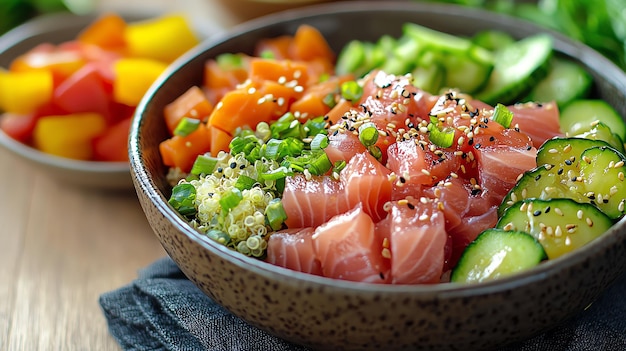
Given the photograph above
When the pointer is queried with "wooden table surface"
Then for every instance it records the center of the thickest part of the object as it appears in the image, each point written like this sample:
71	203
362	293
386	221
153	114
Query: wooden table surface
62	246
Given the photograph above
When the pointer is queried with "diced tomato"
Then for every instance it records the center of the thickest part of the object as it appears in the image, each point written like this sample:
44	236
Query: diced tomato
84	91
112	144
18	127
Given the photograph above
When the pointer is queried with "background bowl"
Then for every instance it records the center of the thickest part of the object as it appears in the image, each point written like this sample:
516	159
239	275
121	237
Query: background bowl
57	28
331	314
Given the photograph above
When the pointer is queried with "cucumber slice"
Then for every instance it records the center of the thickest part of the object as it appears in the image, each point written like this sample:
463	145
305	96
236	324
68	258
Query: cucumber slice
497	253
602	172
564	153
467	65
579	114
560	225
430	78
492	39
518	68
566	81
351	58
544	182
600	131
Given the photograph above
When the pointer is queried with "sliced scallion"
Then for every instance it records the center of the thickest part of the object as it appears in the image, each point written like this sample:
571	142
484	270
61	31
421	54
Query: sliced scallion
368	134
204	164
228	61
219	236
186	126
329	100
319	142
376	152
320	164
267	54
244	182
275	214
441	137
351	91
502	115
278	173
230	199
183	198
315	126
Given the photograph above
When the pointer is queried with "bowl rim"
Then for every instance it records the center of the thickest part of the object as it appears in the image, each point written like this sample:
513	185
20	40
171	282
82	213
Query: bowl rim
38	25
145	184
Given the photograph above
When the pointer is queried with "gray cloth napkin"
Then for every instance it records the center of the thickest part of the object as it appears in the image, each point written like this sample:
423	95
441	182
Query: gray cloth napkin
163	310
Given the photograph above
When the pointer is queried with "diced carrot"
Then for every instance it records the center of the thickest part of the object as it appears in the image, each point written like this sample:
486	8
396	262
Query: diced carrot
278	47
220	140
243	107
106	32
181	151
279	70
309	106
309	44
193	104
335	114
312	102
317	68
218	81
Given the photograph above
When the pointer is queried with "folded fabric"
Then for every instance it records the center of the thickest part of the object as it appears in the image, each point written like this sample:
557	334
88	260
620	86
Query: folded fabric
163	310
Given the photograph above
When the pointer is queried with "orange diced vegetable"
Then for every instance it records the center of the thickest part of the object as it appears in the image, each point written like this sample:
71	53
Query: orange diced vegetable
279	71
164	38
278	47
133	77
47	57
68	136
220	140
181	152
23	92
216	77
193	104
312	102
242	107
309	44
106	32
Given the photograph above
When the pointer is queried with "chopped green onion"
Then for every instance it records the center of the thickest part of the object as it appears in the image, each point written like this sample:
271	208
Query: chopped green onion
186	126
315	126
275	214
351	90
441	138
204	164
243	145
368	134
244	182
263	131
329	100
319	142
183	199
502	115
267	54
229	61
219	236
324	77
230	199
278	173
286	126
339	166
320	164
376	152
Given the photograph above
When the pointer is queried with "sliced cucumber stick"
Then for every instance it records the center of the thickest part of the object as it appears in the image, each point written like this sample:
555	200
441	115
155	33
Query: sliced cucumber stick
518	68
566	81
580	114
497	253
560	225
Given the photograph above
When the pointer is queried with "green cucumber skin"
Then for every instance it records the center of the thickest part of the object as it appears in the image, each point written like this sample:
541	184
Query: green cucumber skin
578	115
561	225
495	254
518	68
565	82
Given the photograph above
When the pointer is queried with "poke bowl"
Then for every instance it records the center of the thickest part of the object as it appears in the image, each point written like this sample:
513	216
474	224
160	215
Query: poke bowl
79	88
326	311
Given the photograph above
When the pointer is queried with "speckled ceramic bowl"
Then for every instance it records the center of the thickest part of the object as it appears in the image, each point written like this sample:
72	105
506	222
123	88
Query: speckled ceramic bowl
328	314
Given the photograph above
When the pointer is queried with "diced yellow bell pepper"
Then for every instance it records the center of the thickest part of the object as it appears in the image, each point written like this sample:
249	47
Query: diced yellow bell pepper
164	38
133	77
23	92
68	136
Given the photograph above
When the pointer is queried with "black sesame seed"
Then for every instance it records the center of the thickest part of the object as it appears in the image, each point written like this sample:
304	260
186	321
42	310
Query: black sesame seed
537	213
492	138
410	206
402	180
477	146
475	191
560	171
233	165
568	162
538	177
546	210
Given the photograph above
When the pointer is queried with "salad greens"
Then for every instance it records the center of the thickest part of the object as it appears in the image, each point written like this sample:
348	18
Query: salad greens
601	24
